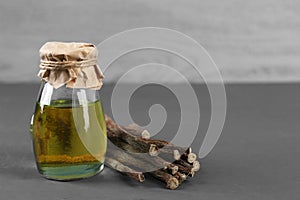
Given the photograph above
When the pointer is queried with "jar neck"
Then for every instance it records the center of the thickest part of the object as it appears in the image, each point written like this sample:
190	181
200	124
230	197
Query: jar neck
48	95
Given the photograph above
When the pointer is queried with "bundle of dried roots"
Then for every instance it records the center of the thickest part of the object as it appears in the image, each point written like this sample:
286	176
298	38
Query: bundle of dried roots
132	152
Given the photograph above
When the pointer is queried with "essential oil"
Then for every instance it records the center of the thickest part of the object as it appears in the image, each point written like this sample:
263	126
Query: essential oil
69	141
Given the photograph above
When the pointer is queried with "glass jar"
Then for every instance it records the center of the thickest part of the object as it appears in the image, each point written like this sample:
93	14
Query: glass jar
68	131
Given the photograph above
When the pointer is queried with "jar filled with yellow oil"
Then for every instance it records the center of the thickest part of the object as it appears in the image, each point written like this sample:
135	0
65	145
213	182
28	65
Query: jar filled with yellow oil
68	126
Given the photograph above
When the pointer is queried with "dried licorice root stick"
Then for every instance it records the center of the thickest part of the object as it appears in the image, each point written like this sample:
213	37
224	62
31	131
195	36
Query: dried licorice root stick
188	156
180	177
187	168
158	146
142	161
138	160
116	134
171	181
120	167
136	130
127	159
196	166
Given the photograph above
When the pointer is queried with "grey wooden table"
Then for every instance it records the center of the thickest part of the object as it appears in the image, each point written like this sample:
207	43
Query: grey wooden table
257	156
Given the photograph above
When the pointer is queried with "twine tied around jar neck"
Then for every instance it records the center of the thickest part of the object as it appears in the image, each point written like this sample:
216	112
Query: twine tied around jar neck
73	64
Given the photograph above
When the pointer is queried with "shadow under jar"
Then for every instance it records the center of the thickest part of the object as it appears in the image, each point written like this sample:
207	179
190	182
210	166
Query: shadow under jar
68	126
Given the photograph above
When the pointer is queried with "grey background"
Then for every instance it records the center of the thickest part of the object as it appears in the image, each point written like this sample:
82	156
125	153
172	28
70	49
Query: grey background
251	41
257	156
256	40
